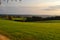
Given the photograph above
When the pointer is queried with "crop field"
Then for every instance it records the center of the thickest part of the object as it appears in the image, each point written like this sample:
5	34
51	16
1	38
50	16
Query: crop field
30	30
50	21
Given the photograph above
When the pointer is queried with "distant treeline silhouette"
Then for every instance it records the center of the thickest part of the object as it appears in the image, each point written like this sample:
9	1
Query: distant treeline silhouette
30	19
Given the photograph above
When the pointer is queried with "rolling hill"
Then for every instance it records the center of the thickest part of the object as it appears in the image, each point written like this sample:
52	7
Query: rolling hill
30	30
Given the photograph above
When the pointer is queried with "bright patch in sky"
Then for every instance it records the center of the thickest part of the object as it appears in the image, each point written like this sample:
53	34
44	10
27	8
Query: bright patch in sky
42	7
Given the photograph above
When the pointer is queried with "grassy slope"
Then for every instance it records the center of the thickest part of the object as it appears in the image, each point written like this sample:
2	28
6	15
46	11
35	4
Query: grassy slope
30	31
50	21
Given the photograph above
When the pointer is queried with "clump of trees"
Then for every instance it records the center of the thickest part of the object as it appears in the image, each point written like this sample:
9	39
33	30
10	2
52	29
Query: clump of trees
33	18
52	18
30	19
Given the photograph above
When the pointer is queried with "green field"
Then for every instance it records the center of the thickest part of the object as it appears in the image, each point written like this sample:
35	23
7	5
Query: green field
30	30
50	21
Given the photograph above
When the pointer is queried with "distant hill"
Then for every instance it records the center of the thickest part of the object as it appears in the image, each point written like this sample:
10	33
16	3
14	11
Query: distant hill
28	15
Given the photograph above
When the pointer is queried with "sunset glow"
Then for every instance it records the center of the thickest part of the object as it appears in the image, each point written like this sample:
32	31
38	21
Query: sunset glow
39	7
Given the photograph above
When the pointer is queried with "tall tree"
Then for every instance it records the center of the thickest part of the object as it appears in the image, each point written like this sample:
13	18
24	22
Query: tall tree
7	1
16	0
11	0
20	0
0	2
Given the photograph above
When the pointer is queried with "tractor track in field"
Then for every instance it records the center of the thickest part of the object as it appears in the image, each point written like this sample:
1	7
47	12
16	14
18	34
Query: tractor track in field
2	37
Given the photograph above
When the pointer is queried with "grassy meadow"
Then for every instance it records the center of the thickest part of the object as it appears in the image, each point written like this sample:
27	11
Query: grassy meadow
30	30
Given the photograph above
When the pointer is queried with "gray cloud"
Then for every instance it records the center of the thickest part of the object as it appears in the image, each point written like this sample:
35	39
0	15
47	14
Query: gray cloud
55	7
52	8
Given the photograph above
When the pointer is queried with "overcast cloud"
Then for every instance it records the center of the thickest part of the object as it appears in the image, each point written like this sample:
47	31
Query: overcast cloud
42	7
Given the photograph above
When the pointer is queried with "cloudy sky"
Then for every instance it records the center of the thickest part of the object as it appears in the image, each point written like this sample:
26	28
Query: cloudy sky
42	7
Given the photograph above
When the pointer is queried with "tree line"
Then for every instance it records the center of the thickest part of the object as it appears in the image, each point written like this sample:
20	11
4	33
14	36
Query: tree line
31	19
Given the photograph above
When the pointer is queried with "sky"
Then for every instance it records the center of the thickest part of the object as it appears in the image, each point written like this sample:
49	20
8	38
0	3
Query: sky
40	7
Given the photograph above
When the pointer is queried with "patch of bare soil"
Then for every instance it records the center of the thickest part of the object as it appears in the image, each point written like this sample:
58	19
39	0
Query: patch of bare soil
2	37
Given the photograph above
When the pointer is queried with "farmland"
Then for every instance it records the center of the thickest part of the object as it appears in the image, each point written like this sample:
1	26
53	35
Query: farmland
30	30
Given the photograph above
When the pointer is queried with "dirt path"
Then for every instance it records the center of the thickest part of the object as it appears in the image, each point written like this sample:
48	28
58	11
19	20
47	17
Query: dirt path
2	37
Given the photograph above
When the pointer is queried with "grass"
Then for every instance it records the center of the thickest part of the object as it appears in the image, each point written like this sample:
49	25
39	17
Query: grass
19	18
50	21
30	30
